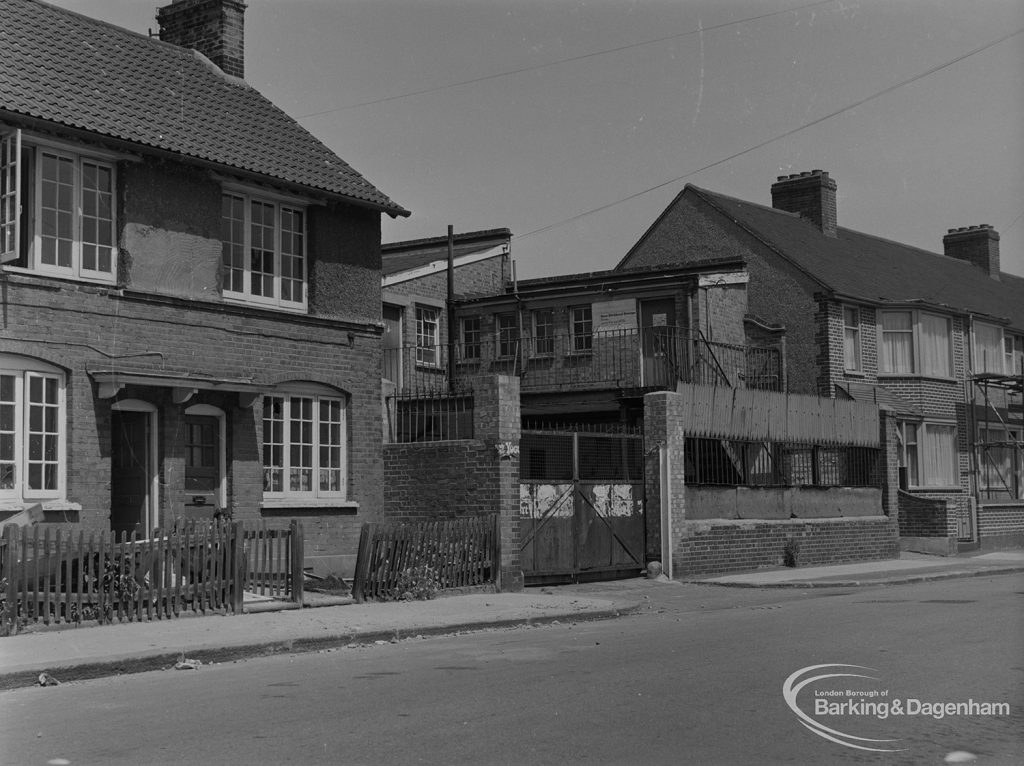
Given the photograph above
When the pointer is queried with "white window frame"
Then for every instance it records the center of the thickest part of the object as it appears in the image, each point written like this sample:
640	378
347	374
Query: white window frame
581	341
916	344
16	240
920	475
984	362
851	335
289	396
1014	353
428	336
24	370
280	207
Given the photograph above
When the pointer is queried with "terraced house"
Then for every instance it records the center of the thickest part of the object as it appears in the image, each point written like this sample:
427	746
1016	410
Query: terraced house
190	297
935	339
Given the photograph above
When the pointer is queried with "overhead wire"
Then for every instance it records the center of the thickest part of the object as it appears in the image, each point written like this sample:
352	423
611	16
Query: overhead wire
780	136
567	60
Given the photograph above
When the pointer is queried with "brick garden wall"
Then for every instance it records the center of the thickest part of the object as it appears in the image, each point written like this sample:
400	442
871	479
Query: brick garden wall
717	547
1000	526
467	477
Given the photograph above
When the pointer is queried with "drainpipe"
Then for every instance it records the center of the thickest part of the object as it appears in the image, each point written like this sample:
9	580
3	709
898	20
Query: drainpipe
451	308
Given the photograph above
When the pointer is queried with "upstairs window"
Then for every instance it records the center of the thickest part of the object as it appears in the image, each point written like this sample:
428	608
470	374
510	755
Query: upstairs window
1014	354
851	338
263	246
428	333
508	335
989	349
581	328
56	211
32	430
543	332
304	446
915	343
470	338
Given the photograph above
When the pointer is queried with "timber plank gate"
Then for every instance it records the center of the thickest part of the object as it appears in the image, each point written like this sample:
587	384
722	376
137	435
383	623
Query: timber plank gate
581	505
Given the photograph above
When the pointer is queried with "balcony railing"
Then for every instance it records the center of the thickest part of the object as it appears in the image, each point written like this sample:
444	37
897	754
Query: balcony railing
650	357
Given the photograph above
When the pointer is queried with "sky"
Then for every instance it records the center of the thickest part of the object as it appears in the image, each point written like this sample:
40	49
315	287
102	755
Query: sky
574	123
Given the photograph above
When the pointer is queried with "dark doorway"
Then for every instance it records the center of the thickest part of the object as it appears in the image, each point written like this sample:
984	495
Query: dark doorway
661	343
129	472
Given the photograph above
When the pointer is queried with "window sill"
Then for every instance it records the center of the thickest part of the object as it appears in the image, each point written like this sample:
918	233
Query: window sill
16	506
241	300
915	376
319	503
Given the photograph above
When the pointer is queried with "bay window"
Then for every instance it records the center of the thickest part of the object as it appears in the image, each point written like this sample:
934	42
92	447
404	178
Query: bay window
305	445
32	430
928	451
263	250
56	211
851	338
915	343
989	349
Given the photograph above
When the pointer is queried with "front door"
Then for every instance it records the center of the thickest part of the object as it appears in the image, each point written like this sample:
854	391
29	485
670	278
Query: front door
129	472
202	461
660	343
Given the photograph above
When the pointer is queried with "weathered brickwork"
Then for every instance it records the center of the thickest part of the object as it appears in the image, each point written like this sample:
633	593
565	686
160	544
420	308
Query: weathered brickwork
467	477
166	316
922	516
777	291
718	547
1001	526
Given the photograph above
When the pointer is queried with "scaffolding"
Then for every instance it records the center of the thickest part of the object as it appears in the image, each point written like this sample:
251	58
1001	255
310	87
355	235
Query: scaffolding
996	421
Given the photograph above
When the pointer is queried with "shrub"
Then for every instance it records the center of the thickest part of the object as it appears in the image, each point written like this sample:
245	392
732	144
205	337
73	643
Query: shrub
791	552
416	584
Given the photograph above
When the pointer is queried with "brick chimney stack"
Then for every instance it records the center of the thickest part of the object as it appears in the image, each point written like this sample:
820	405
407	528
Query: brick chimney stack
215	28
976	244
812	195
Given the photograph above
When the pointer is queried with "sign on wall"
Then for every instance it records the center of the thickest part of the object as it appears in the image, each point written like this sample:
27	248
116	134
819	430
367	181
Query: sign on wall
615	315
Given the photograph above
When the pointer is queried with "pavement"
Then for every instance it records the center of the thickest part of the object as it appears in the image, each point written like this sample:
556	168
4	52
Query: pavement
70	653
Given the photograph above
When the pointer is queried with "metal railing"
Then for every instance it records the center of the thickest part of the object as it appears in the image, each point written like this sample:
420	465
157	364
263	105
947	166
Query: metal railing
650	357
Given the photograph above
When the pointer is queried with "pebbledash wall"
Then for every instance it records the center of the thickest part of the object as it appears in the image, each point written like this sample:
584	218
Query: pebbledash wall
465	477
702	546
166	317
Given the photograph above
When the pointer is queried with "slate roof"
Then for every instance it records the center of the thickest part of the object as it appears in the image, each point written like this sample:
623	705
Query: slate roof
407	255
859	265
68	69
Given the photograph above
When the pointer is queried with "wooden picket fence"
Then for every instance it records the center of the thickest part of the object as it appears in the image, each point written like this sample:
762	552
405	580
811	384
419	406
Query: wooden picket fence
273	561
453	553
53	576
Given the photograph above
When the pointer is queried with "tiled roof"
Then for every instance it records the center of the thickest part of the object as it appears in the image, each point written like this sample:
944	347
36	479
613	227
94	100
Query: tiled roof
397	257
68	69
860	265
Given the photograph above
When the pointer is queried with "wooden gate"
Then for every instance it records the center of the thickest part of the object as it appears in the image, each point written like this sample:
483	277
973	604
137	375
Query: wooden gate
581	505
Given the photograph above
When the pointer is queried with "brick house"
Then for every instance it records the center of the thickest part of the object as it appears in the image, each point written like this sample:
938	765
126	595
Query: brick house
190	289
935	339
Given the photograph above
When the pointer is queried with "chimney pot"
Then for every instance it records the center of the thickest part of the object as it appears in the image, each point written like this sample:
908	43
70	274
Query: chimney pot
978	245
810	194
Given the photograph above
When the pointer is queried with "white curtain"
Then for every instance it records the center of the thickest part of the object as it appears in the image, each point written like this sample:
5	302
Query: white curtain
988	348
939	448
935	359
897	341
